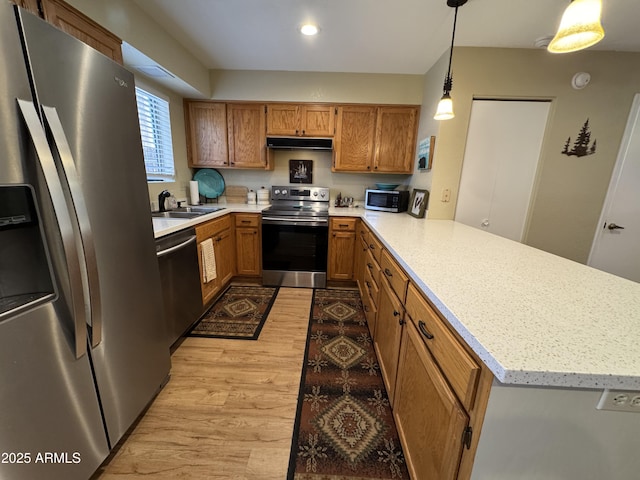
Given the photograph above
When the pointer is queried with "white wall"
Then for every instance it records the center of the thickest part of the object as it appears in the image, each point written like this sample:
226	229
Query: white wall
348	184
555	434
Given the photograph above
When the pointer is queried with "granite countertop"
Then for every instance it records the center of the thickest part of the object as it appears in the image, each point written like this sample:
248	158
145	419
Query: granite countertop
532	317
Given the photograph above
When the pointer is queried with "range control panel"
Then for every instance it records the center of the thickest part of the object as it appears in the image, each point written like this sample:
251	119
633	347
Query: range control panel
296	192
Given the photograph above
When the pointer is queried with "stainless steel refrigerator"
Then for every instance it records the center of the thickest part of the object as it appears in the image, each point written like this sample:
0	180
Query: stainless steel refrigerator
82	342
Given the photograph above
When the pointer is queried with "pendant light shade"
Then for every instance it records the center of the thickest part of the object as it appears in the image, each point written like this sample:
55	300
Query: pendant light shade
445	106
579	28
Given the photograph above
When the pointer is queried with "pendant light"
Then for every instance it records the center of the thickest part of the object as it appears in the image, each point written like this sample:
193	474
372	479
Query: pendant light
445	106
579	28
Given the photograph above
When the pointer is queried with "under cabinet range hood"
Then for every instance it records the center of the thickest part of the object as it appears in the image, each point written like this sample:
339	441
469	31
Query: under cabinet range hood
300	143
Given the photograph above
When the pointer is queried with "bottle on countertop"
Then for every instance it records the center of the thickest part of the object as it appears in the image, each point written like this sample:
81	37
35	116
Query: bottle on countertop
251	197
339	200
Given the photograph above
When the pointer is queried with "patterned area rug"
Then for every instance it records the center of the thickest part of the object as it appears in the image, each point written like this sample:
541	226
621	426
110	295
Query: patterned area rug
240	313
344	426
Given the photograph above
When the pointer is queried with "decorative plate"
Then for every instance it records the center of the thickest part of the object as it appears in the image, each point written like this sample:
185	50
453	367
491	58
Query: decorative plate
386	186
210	182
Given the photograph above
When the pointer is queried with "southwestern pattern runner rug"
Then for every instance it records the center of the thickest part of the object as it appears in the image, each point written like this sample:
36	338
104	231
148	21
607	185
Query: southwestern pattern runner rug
344	427
240	313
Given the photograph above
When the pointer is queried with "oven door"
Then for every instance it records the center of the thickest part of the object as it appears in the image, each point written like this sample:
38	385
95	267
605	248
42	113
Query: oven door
294	252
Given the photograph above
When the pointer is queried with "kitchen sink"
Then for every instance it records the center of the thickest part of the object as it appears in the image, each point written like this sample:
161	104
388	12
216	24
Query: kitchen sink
186	212
202	209
174	214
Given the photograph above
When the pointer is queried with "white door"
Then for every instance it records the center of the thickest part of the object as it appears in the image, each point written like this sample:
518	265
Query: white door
616	246
500	162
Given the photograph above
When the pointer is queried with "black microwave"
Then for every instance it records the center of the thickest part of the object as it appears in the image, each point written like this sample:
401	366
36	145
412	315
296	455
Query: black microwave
386	200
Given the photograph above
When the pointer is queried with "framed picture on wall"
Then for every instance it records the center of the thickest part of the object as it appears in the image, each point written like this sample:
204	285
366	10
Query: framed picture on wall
425	153
418	203
300	171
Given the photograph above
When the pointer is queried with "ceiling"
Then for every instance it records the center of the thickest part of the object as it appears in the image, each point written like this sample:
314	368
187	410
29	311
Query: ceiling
367	36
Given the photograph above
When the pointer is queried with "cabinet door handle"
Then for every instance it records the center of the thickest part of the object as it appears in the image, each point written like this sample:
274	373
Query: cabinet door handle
423	329
401	322
345	225
396	313
372	246
367	284
369	266
245	221
388	273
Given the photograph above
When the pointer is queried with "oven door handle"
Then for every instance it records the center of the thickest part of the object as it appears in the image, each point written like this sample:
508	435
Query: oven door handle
294	221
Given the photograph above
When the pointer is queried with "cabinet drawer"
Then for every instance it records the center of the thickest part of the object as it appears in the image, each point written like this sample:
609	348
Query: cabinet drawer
363	232
375	246
457	365
372	266
213	227
247	220
370	313
397	278
343	223
373	287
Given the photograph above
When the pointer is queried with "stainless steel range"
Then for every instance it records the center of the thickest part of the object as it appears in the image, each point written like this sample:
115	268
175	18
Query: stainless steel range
295	234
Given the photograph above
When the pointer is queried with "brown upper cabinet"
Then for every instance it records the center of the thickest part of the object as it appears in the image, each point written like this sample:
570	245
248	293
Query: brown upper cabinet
355	137
396	135
304	120
246	127
31	5
207	144
226	135
76	24
375	138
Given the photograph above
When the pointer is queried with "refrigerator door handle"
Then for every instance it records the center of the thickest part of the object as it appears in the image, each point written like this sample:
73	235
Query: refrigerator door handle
73	180
69	241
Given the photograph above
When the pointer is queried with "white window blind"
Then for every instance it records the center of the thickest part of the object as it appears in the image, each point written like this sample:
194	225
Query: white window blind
155	130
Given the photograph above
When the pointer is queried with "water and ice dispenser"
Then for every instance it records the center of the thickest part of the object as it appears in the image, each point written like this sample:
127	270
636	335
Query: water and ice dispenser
25	276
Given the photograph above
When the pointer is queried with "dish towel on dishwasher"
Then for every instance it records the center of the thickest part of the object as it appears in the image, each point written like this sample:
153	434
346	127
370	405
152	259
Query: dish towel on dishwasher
208	261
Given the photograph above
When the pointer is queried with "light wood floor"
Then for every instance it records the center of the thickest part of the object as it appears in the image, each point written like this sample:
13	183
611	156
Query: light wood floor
229	408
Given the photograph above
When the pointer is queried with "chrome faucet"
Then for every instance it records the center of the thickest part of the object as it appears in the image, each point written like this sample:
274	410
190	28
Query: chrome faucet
163	194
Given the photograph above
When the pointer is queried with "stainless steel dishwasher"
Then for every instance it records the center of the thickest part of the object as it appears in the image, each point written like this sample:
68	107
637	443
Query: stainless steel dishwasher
180	275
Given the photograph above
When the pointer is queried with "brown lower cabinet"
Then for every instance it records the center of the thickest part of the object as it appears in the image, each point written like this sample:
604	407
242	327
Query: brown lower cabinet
248	244
342	243
437	386
221	233
237	250
387	335
430	419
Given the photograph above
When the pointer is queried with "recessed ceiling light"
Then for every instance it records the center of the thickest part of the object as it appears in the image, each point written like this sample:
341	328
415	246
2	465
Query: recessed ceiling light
309	29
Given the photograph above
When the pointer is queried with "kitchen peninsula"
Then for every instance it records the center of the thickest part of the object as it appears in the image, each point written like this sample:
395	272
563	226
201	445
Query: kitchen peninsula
554	334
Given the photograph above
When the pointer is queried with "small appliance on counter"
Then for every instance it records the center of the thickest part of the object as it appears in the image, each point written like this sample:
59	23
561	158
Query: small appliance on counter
263	196
395	201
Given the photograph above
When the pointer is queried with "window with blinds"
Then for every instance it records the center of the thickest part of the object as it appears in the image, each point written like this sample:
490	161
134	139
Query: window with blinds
155	130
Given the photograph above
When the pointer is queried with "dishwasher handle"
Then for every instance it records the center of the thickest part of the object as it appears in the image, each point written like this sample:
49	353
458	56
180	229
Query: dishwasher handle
169	250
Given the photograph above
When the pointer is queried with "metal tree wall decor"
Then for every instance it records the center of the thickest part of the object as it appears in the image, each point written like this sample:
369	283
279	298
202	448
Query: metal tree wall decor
581	146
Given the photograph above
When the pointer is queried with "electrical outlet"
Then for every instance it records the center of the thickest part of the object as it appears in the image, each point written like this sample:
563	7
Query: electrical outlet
620	401
446	195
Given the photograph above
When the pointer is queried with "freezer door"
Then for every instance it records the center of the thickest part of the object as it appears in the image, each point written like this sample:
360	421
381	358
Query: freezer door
89	109
50	421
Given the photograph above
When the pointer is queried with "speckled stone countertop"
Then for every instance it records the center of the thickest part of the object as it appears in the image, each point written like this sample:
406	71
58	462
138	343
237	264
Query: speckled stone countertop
532	317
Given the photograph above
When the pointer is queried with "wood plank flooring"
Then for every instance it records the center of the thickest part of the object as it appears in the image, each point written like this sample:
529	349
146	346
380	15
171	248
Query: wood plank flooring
229	408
